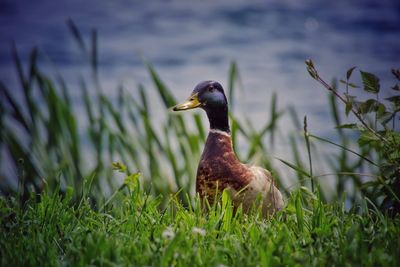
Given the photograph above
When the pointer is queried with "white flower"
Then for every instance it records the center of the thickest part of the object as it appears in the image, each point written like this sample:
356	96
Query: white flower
168	233
199	231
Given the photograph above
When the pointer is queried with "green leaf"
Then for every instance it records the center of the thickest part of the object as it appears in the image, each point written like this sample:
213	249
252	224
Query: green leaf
357	105
368	138
349	106
371	105
294	167
132	181
347	126
199	125
16	110
349	72
394	99
166	96
371	82
76	34
350	97
228	211
233	78
385	117
343	147
352	85
299	212
118	166
349	103
381	108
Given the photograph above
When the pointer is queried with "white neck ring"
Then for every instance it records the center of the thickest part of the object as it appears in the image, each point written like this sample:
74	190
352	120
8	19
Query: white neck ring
216	131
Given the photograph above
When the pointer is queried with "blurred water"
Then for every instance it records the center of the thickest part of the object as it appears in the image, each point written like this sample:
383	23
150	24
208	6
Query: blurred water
191	41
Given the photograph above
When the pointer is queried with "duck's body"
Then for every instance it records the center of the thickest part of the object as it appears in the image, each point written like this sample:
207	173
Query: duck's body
219	167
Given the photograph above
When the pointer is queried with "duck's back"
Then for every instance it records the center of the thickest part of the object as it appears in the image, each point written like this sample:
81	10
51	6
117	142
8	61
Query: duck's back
262	186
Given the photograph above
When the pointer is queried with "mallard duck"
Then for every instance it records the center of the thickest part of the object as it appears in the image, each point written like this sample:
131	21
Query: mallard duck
219	168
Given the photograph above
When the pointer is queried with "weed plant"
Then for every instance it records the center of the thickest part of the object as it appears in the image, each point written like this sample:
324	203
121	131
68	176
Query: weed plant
377	132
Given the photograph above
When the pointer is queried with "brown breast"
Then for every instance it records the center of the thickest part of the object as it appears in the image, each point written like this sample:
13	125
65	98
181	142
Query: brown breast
219	167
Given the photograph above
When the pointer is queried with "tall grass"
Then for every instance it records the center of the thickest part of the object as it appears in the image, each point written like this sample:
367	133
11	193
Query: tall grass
45	146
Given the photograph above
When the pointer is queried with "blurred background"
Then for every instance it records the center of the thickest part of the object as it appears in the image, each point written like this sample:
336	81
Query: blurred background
190	41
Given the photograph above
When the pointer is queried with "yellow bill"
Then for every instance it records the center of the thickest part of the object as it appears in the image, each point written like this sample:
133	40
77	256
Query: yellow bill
191	102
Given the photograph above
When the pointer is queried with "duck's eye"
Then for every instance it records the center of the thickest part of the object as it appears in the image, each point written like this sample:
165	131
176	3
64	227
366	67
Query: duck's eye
211	89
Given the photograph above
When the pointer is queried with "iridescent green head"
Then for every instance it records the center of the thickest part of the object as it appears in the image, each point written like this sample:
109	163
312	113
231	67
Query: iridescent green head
210	96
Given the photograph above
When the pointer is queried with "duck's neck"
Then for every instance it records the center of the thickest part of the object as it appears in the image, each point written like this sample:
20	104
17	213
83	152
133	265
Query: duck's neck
218	148
218	118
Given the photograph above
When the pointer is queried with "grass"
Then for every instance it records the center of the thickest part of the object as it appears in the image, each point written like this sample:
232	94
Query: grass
45	143
70	211
134	230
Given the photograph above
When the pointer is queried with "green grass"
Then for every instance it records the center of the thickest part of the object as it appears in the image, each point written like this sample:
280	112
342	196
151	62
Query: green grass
133	230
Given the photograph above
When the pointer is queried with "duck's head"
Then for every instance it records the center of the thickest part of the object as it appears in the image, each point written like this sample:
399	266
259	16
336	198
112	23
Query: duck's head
210	96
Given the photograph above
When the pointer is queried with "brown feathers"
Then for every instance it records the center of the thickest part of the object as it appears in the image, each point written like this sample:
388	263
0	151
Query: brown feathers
220	169
219	164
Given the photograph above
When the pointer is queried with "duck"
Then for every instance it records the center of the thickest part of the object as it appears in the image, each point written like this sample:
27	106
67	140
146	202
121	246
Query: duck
219	168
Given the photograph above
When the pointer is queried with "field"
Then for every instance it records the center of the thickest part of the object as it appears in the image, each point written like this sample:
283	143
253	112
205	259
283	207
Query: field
119	191
134	230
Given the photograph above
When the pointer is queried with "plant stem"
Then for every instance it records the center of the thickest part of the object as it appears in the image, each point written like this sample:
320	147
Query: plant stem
306	136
